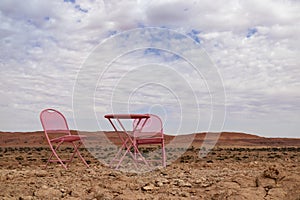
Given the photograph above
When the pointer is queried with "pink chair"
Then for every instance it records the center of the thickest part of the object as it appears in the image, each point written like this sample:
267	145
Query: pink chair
150	131
54	123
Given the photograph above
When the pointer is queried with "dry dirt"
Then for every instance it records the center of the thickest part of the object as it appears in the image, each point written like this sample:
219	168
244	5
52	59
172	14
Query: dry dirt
265	171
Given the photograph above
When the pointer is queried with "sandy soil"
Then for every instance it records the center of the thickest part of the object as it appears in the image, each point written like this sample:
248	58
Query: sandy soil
227	172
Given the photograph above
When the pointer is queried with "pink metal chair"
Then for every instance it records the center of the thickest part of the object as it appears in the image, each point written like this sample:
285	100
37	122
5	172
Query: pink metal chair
54	123
150	131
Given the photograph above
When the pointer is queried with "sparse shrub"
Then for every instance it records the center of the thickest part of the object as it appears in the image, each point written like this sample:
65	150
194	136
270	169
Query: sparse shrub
275	149
192	148
111	148
69	148
186	158
98	149
237	158
19	158
92	149
145	150
32	159
277	156
292	149
39	149
10	149
181	149
220	158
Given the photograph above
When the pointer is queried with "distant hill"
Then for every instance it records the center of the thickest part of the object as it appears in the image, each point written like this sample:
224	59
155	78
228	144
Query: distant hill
19	139
244	139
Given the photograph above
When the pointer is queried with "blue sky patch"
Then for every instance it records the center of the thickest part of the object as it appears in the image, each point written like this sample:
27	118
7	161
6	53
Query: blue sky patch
251	31
141	25
152	51
71	1
81	9
111	33
194	35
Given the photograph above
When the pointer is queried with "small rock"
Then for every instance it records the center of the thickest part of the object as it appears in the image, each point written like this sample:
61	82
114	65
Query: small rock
181	183
47	193
113	174
205	184
186	184
26	198
173	192
250	193
45	187
164	173
276	193
261	181
201	180
41	173
159	184
177	182
148	187
184	194
253	163
244	181
273	173
161	181
85	178
229	185
164	180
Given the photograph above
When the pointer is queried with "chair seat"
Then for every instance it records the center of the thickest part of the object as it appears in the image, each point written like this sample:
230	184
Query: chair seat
68	138
149	140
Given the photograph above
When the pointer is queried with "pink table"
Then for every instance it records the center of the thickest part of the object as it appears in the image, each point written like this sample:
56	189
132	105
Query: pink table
128	140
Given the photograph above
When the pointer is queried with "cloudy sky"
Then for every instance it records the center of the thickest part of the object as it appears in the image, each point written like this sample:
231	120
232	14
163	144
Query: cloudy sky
50	50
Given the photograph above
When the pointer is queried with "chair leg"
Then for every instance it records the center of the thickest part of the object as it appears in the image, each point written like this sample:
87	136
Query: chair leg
118	153
48	161
78	153
73	155
55	154
128	148
163	155
83	160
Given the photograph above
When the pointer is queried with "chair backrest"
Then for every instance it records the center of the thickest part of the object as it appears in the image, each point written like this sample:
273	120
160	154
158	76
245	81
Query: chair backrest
54	121
149	128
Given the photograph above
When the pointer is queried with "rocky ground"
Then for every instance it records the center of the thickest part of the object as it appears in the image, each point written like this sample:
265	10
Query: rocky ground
225	173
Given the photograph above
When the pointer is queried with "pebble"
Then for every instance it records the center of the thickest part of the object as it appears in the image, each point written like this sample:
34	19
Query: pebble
148	187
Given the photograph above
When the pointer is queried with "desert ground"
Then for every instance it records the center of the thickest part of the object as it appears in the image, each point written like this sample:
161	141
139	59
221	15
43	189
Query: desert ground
240	166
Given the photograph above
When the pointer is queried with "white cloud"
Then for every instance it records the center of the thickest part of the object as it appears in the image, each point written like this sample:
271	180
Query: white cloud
44	43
